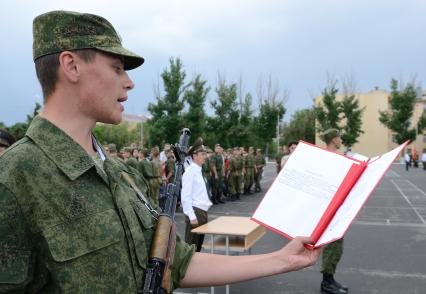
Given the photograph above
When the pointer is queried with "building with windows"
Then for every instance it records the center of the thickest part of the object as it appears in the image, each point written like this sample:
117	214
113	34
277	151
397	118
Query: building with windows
378	139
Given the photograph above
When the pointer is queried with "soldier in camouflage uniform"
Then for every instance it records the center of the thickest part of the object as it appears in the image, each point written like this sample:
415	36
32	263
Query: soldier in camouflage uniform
235	178
207	173
170	166
70	222
332	252
218	173
243	155
131	161
260	164
250	169
157	179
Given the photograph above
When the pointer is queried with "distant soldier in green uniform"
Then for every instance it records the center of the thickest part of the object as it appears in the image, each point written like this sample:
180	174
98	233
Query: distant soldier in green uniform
235	178
157	179
70	222
218	173
130	160
250	170
207	174
333	251
260	164
144	165
170	166
243	155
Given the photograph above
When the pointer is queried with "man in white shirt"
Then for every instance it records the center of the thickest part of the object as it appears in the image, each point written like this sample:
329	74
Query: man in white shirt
194	195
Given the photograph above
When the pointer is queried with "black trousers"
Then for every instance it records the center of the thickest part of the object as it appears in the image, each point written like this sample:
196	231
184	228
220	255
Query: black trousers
192	238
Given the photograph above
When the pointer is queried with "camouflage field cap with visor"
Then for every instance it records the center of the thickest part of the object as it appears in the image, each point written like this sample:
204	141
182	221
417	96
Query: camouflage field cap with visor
58	31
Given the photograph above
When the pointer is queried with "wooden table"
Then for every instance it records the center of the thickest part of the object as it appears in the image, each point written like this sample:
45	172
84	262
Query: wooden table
234	233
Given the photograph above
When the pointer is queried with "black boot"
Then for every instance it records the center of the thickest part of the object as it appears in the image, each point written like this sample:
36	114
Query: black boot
330	286
238	196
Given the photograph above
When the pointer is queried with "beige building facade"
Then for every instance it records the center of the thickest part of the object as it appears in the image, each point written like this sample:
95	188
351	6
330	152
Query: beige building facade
377	139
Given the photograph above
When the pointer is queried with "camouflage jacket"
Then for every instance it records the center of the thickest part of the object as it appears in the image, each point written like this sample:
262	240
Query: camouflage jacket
145	168
260	160
217	161
249	161
68	226
170	168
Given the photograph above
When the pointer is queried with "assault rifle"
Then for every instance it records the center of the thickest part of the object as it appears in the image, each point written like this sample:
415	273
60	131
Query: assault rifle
158	271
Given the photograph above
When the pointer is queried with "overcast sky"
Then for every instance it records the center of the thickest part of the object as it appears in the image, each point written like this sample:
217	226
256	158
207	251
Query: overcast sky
296	42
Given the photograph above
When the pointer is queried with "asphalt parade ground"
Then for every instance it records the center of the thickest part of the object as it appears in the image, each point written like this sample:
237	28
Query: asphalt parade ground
384	249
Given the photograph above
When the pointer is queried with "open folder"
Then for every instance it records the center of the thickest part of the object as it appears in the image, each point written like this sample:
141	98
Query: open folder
319	193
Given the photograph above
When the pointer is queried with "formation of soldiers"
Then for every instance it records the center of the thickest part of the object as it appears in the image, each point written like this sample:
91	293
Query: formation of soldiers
233	172
228	173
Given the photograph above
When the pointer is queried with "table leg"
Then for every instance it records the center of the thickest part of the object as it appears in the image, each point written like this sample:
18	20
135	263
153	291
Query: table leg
227	253
212	252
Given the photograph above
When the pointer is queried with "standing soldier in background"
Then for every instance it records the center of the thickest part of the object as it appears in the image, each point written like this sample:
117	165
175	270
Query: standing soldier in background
235	176
170	166
250	170
144	165
260	164
207	174
243	155
131	160
157	179
218	172
6	140
332	252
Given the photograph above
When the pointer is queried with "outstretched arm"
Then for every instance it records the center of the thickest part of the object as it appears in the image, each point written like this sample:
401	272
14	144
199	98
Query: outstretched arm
211	269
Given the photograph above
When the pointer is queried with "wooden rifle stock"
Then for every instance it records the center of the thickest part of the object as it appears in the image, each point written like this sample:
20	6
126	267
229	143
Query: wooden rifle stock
158	272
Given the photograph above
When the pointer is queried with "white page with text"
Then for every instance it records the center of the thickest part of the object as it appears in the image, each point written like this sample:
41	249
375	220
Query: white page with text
302	191
365	185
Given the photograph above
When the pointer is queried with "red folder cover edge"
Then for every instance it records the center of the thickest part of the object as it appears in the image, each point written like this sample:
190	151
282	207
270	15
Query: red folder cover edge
345	187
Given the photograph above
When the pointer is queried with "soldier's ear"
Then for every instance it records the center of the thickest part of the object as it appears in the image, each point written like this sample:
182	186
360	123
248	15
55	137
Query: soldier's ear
69	66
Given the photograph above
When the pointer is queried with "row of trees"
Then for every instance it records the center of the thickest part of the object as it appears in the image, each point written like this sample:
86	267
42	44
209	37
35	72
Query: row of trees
234	121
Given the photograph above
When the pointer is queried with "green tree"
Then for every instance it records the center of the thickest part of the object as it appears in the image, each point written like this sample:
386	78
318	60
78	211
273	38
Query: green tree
167	120
265	123
223	127
399	117
327	113
344	115
195	118
300	127
352	115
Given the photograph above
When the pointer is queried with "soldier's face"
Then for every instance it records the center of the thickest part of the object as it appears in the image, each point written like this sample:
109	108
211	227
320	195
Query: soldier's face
104	86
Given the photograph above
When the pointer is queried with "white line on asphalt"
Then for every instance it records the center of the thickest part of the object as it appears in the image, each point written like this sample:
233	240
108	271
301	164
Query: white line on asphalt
408	201
417	188
390	224
384	274
392	173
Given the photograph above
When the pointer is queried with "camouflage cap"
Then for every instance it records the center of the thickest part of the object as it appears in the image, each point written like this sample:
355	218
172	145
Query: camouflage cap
112	148
58	31
329	135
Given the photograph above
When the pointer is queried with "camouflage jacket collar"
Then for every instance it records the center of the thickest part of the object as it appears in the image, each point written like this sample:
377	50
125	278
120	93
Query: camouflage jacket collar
67	154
